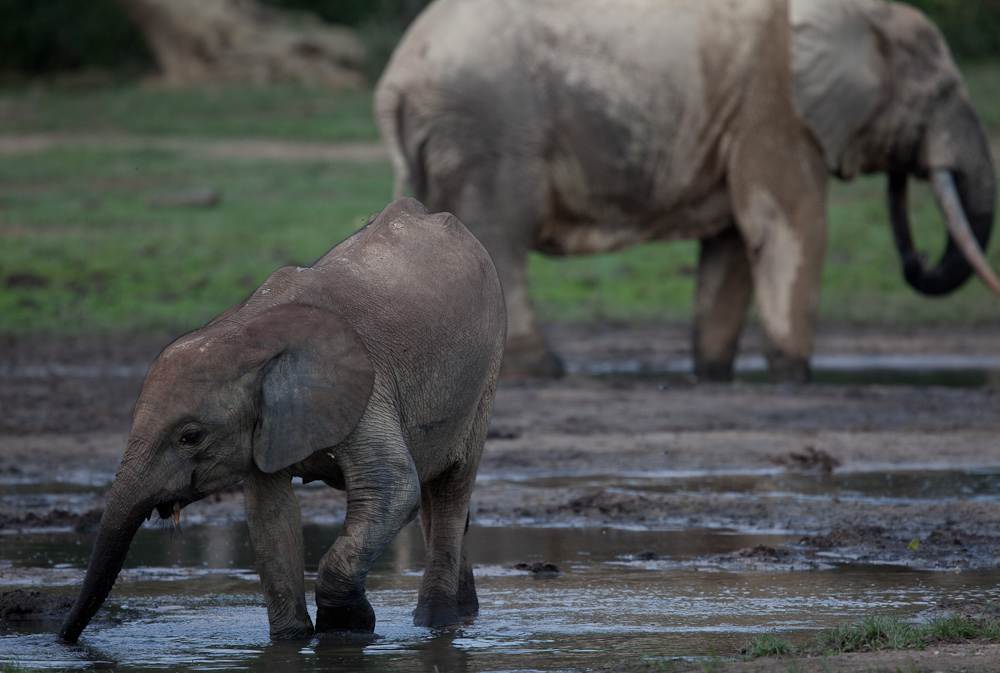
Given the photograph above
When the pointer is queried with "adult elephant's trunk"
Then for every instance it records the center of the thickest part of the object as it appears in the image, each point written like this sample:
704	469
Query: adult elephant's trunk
122	518
964	184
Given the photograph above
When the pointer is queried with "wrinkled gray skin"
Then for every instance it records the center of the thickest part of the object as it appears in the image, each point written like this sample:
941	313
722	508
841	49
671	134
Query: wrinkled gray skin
577	126
373	370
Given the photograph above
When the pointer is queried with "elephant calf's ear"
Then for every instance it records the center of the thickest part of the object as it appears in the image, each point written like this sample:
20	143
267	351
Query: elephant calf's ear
315	386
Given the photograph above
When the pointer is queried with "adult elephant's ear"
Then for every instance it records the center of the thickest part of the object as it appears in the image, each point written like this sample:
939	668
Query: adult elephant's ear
840	74
316	380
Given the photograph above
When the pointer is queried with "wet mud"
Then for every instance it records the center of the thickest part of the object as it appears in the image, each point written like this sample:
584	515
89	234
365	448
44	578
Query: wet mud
805	483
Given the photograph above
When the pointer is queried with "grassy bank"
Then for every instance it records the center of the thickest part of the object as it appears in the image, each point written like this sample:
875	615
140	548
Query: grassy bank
883	643
88	247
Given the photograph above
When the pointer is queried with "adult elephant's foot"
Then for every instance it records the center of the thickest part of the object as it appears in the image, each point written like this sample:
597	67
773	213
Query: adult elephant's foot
355	616
784	368
528	357
436	612
717	370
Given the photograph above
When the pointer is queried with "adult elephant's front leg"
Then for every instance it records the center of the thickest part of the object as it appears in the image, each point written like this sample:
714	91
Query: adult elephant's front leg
383	495
721	300
276	533
779	197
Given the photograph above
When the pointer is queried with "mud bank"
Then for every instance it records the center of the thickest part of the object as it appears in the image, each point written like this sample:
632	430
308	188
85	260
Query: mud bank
870	475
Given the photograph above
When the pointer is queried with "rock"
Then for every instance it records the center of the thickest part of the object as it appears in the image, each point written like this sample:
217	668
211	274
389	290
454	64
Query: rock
244	42
539	567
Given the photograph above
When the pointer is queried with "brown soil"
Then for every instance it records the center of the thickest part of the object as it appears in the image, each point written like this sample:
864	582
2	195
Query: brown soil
67	406
970	657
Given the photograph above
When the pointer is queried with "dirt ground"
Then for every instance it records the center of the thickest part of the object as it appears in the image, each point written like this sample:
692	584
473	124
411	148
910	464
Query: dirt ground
66	407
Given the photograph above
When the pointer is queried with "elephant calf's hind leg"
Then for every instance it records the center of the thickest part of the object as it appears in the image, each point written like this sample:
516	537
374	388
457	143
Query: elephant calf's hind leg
448	590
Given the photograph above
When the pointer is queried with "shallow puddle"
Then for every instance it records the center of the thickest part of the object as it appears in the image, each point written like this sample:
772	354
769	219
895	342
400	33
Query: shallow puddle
191	599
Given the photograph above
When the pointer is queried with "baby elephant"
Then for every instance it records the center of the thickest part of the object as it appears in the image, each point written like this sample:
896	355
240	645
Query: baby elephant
373	370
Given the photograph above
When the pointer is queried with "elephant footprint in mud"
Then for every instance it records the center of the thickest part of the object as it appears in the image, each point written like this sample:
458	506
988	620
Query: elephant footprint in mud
373	370
584	126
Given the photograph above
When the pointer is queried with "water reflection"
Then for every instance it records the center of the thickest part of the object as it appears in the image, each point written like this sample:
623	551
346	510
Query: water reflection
193	601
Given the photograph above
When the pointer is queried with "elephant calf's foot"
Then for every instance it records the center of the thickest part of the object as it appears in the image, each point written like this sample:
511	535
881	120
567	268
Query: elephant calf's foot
357	616
292	632
436	612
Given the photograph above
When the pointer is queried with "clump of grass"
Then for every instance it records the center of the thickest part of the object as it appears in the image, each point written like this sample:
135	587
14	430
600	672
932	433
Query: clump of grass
766	645
874	632
878	632
15	667
957	628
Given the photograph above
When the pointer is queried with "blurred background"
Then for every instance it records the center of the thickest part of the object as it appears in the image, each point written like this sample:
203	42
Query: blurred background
159	159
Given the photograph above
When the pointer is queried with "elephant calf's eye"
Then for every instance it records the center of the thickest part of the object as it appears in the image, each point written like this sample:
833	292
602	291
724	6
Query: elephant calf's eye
191	437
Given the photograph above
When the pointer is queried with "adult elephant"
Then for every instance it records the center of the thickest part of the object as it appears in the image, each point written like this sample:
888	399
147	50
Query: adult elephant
373	370
590	125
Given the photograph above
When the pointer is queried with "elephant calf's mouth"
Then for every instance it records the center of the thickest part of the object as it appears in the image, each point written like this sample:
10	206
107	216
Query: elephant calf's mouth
167	511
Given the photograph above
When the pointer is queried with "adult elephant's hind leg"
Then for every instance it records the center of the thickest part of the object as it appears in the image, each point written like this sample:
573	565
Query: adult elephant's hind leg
383	495
722	298
503	203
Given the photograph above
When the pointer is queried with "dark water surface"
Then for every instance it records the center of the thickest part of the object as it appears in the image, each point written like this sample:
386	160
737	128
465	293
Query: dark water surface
191	600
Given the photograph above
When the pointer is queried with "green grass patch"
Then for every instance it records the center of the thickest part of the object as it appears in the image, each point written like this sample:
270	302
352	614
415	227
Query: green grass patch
878	632
862	277
649	282
84	253
283	111
875	632
766	645
983	80
16	667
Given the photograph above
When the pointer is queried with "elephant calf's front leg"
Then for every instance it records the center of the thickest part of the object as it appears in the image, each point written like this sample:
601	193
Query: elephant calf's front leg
276	532
383	495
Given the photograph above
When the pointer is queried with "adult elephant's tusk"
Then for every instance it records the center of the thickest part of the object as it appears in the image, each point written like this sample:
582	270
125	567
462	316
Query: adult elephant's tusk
177	513
943	183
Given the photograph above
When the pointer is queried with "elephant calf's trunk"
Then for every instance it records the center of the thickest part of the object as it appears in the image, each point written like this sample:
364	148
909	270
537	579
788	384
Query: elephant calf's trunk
119	525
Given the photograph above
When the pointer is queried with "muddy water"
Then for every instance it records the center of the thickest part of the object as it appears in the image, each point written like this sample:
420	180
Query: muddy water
190	598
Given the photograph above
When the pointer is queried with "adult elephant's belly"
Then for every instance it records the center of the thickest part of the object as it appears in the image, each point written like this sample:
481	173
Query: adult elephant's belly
608	226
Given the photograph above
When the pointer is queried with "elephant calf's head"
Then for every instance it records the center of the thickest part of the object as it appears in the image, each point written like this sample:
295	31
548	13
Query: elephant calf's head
262	389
